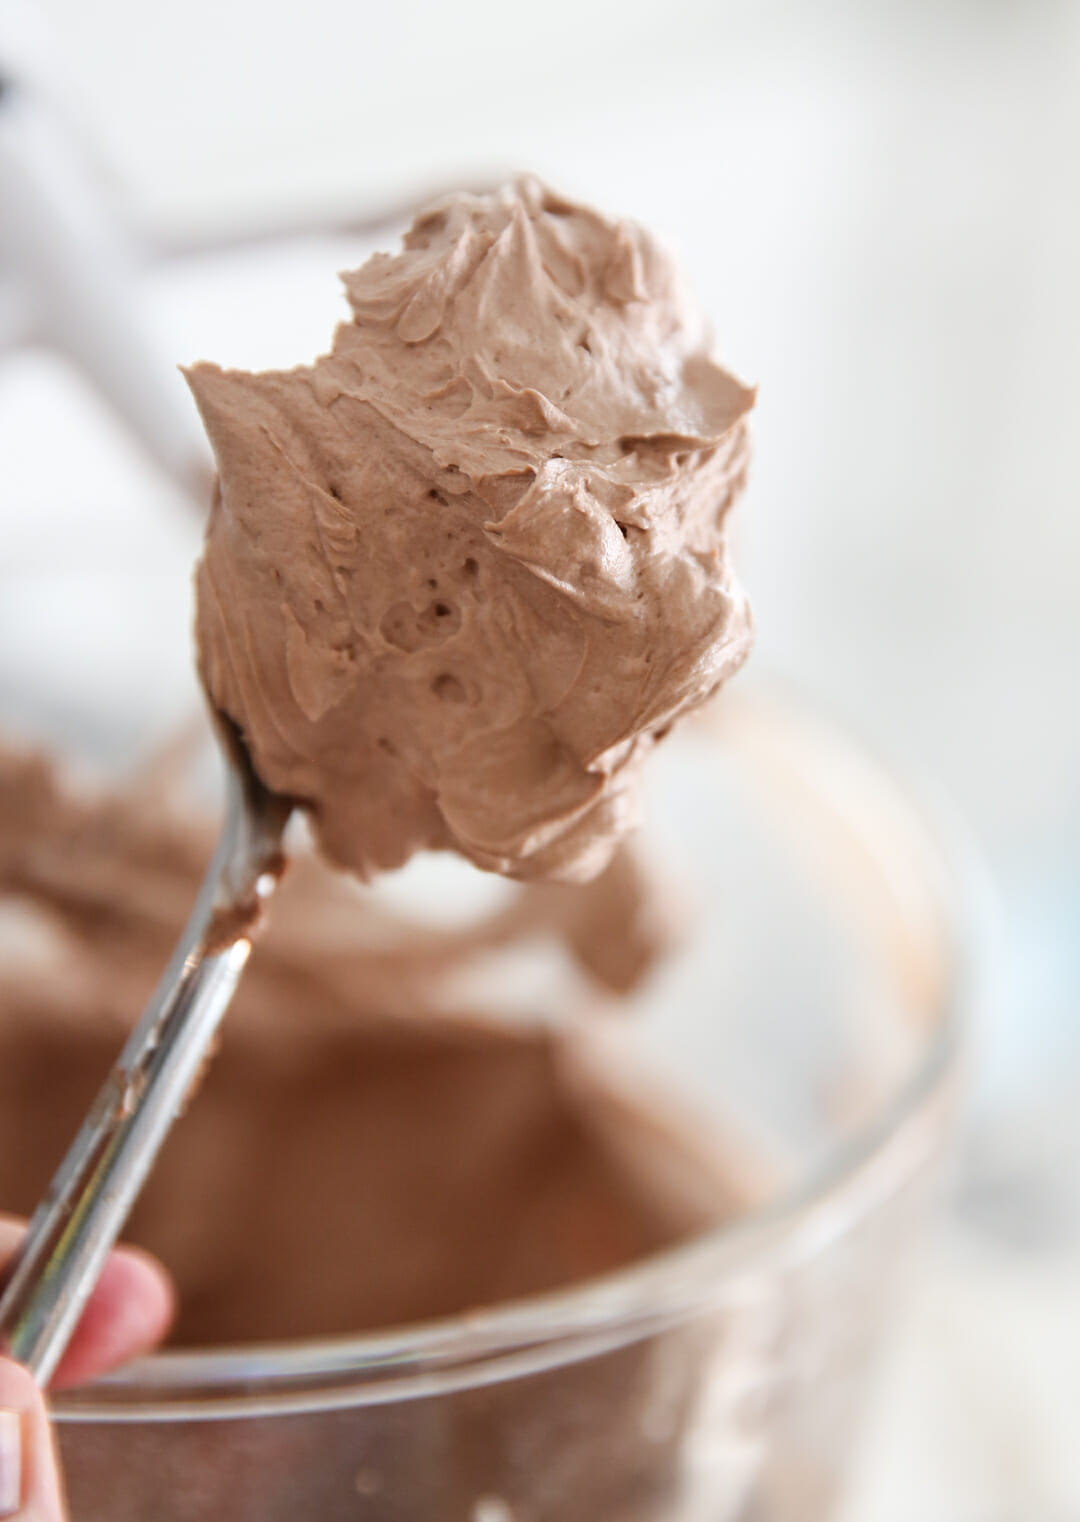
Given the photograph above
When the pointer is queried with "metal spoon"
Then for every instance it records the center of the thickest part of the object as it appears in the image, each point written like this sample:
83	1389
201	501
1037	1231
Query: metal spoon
95	1187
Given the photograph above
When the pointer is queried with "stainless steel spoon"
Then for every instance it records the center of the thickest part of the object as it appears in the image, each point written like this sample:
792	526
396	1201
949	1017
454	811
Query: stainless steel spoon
95	1187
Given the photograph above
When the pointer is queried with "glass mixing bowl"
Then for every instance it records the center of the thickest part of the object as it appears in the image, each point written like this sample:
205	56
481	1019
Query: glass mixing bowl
813	1011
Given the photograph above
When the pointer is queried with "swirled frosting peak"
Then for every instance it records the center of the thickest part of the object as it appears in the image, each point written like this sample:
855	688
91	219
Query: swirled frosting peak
465	569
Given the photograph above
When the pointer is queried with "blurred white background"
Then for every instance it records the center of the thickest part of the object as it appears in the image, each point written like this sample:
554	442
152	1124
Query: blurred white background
878	204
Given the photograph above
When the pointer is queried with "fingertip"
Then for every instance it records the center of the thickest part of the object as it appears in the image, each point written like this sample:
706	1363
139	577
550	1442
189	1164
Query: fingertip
129	1313
30	1480
18	1392
151	1287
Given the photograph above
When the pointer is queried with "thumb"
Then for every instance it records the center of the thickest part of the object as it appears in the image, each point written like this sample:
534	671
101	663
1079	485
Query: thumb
30	1486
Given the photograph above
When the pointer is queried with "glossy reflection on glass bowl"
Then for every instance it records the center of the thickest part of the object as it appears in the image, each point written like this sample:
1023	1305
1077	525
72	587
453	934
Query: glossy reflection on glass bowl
814	1011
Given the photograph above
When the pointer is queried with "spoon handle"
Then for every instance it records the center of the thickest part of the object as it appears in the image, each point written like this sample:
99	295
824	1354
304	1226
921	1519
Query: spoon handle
95	1187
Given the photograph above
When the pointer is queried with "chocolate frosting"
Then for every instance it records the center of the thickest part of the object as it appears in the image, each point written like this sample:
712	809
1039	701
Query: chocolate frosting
462	571
361	1152
95	883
